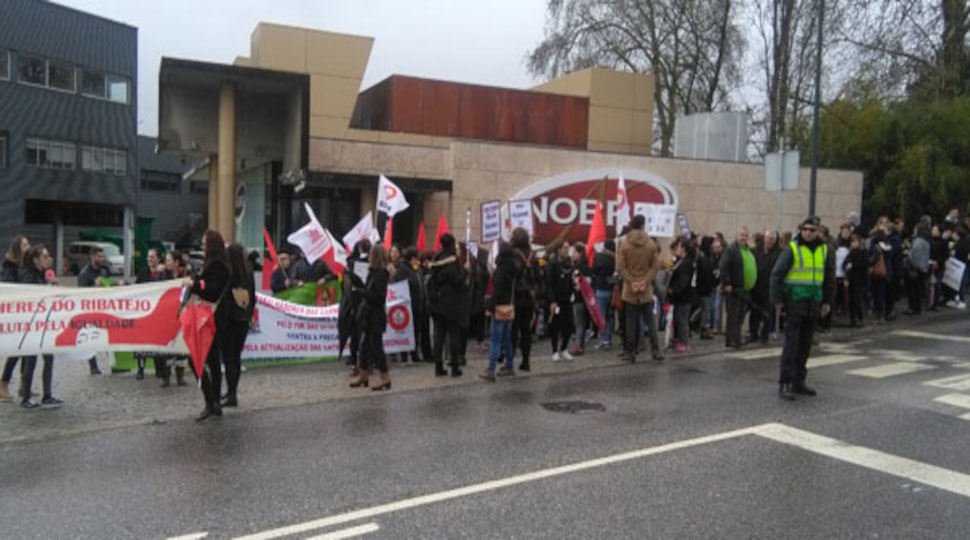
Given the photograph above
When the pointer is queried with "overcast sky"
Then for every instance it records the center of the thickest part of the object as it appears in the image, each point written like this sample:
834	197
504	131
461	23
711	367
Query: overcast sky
460	40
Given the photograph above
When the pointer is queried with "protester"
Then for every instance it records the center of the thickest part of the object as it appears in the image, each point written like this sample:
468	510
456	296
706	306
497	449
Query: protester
154	270
712	315
502	308
424	271
739	273
681	292
918	270
470	267
165	362
559	286
242	303
637	264
479	280
34	270
447	287
961	251
350	300
802	280
372	320
882	303
939	253
10	273
281	278
762	319
604	266
213	286
96	274
856	267
706	285
406	272
580	263
525	291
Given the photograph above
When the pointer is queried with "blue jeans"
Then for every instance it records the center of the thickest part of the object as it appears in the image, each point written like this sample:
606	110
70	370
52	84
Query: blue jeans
501	341
712	317
603	297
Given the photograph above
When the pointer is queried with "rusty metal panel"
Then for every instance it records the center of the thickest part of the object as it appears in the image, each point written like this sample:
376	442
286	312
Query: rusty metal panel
406	105
442	102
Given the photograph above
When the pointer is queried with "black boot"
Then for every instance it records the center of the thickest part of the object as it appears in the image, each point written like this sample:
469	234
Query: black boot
803	389
93	364
166	374
180	375
785	392
439	370
455	370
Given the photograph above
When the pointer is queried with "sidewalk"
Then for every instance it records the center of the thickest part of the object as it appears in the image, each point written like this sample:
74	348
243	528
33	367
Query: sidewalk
94	403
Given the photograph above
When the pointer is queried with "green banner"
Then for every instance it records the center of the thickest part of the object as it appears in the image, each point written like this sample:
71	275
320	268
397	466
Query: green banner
311	294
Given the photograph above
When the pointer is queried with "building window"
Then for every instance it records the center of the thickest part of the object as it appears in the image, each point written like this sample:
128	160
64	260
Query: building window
197	187
33	70
104	160
4	65
160	181
60	76
118	89
50	154
3	150
93	83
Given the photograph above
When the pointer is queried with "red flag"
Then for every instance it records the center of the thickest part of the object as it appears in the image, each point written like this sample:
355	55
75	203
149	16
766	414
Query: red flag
388	233
270	266
198	330
422	242
597	232
442	229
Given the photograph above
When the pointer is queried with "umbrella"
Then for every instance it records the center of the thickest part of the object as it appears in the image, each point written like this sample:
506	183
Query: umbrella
589	298
198	331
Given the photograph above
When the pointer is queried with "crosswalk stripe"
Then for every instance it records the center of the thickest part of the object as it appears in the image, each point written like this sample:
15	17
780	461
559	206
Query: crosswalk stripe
756	354
928	335
890	370
833	359
957	383
956	400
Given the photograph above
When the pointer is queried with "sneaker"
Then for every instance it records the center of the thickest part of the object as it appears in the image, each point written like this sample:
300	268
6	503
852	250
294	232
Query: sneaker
951	303
566	355
505	371
28	405
603	346
556	357
50	402
680	348
961	305
487	376
577	351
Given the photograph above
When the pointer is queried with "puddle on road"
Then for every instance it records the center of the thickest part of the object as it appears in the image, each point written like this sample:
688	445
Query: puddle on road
573	407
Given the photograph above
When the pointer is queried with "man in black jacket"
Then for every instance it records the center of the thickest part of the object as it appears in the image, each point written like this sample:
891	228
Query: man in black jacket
761	322
447	286
91	276
604	266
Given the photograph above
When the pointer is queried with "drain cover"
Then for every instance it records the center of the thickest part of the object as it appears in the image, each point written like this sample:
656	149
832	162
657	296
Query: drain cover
573	407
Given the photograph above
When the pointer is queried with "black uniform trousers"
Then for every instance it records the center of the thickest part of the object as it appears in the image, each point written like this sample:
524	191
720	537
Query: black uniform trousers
800	320
522	332
236	332
450	330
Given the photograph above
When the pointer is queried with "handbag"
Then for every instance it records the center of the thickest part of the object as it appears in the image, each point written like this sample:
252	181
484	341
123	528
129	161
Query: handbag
506	312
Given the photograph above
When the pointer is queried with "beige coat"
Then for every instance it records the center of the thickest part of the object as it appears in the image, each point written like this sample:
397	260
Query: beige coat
637	262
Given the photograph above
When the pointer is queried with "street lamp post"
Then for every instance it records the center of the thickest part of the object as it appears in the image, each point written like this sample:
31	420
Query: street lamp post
815	111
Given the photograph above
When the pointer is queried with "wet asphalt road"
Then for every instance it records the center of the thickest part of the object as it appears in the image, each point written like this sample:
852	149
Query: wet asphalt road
264	470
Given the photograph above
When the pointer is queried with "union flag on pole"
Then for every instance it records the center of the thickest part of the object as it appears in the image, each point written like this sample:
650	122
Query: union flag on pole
622	206
317	243
390	198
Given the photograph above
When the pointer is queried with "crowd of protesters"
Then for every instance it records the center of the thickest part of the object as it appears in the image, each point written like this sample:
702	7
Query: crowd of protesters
699	286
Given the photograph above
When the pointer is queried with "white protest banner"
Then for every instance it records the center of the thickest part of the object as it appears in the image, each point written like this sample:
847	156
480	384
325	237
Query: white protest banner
285	330
841	253
660	218
520	215
953	274
67	321
491	221
390	198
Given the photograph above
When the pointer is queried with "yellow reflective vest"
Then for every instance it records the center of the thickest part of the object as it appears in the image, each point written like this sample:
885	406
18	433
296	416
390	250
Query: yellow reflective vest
804	279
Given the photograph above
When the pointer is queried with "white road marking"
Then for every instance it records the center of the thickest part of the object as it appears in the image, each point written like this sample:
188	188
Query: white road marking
924	473
191	536
956	400
833	359
890	370
931	475
965	417
348	533
367	513
756	354
928	335
957	383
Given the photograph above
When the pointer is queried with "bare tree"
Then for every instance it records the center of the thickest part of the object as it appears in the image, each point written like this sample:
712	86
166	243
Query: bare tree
692	47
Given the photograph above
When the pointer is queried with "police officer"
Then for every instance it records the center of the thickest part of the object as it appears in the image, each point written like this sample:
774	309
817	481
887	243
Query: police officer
801	282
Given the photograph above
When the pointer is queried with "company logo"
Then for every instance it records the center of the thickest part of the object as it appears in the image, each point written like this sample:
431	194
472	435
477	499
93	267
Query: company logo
569	200
390	192
398	317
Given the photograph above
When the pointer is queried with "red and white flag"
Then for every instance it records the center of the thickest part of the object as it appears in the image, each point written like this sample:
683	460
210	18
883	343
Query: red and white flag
622	206
390	198
597	233
317	243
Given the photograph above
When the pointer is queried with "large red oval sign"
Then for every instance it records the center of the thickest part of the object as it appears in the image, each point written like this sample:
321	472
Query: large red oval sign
568	201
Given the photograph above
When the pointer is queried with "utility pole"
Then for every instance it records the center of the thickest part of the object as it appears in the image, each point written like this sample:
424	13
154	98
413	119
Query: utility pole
815	111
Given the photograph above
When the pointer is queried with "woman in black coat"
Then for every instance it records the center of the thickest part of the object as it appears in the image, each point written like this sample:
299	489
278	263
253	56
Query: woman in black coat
559	289
240	313
526	293
10	273
33	271
213	286
372	320
447	288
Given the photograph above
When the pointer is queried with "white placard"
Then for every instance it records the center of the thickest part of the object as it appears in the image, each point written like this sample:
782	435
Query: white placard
840	254
953	276
491	221
361	269
660	218
520	215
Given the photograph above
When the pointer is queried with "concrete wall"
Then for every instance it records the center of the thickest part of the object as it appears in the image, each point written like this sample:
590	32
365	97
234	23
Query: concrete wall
716	196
